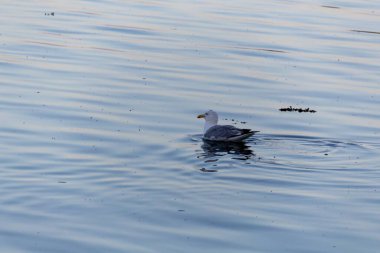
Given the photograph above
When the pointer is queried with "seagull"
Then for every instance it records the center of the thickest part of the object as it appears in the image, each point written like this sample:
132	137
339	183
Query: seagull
227	133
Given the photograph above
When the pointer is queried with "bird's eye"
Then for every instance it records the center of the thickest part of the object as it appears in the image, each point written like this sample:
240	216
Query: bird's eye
206	113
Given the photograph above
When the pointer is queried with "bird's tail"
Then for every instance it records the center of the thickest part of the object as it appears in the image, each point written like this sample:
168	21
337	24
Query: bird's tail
249	131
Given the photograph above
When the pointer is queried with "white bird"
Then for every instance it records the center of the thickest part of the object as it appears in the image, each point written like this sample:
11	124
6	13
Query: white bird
215	132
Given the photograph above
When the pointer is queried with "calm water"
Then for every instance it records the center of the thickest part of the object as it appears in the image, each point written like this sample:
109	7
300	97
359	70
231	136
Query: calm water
101	148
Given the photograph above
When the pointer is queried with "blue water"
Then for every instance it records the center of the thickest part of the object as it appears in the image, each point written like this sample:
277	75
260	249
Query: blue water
101	150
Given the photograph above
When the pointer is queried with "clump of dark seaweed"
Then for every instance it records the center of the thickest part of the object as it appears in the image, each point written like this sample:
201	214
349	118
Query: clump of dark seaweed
292	109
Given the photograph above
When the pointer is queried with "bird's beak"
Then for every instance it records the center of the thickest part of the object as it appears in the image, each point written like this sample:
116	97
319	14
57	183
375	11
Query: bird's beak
200	116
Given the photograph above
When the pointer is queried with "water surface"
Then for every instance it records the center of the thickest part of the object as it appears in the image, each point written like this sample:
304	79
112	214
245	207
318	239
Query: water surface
101	150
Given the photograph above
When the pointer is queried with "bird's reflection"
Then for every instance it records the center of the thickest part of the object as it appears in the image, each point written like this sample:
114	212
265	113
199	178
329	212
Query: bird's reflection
239	150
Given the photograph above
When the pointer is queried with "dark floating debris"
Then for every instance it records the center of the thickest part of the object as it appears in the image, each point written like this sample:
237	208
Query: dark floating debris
235	121
291	109
363	31
207	170
49	13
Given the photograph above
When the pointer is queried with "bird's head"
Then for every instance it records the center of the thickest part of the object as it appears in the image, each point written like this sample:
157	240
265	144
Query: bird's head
209	116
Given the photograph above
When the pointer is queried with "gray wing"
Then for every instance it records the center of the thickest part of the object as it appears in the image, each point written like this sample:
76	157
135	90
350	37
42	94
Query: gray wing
223	133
